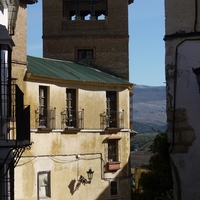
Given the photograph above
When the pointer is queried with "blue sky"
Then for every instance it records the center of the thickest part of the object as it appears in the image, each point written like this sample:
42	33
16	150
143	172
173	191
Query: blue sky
146	45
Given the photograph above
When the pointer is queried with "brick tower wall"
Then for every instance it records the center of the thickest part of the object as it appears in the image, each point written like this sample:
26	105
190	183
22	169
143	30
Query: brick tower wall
19	51
107	38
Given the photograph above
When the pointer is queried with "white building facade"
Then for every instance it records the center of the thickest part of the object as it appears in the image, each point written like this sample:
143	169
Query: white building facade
183	107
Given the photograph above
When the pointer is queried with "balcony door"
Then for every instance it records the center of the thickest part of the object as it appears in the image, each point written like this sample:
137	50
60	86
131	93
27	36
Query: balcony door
111	109
71	108
43	106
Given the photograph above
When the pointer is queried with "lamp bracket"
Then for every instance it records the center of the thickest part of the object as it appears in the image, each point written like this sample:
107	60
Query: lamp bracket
84	180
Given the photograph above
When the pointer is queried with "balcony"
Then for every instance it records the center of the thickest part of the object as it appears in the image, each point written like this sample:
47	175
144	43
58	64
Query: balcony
45	119
15	129
72	120
112	120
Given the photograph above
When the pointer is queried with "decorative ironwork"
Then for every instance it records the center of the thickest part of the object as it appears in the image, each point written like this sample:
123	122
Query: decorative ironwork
112	119
7	171
74	119
45	118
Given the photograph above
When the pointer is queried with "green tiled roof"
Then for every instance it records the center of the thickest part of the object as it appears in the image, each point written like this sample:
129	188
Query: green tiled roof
67	70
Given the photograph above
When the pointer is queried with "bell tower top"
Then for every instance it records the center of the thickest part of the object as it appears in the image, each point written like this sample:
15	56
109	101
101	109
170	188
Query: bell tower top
93	32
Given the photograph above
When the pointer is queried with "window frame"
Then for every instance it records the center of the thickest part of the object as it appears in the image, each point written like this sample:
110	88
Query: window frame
5	79
5	89
48	174
87	53
90	8
113	165
111	109
113	146
43	100
71	107
116	188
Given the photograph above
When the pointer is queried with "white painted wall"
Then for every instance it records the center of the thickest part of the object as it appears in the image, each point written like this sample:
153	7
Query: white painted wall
188	98
182	41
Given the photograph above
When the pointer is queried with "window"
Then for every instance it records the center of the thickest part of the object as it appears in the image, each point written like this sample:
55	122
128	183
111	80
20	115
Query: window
42	106
111	109
45	117
44	190
76	9
113	153
7	181
113	150
5	88
113	188
85	54
71	107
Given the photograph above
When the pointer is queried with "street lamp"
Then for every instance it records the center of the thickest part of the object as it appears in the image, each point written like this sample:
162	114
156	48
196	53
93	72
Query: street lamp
90	176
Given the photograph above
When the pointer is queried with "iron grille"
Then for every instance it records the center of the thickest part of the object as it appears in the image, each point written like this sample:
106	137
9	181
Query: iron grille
112	119
72	119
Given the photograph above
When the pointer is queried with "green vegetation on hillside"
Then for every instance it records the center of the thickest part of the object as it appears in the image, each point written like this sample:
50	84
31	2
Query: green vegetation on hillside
142	142
148	127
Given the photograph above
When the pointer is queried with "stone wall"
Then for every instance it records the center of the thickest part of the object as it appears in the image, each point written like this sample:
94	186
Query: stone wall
182	41
19	37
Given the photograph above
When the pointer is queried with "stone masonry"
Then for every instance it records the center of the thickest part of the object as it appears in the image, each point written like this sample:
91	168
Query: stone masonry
107	38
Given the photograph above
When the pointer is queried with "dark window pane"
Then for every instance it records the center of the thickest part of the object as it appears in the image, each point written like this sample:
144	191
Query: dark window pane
113	188
112	151
43	106
85	54
111	109
71	107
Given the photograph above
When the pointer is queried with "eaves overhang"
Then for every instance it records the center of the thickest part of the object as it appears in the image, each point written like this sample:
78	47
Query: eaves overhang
52	70
5	3
50	80
12	6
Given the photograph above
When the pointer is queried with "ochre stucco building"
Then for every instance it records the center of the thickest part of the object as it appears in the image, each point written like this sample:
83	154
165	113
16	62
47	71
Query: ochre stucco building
80	105
14	115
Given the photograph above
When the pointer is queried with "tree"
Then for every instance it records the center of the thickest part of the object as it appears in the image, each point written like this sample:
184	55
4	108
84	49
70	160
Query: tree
158	176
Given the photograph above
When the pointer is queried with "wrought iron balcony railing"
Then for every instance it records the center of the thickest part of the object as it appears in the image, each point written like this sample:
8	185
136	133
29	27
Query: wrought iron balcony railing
112	119
45	118
72	119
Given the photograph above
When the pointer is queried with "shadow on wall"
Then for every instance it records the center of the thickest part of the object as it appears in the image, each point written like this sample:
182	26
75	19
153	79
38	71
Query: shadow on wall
117	188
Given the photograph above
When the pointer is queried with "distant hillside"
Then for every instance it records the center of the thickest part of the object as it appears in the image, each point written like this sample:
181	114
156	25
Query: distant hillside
148	128
149	109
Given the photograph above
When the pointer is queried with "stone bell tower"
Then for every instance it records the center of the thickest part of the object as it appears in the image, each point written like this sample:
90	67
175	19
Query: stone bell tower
94	32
